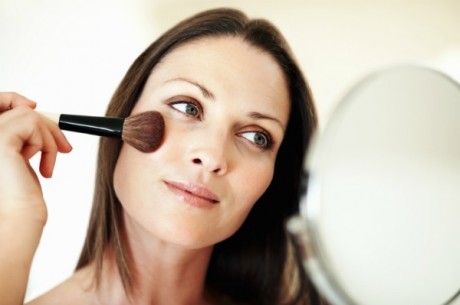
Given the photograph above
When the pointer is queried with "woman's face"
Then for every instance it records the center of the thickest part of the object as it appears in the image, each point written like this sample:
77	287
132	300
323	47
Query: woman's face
226	107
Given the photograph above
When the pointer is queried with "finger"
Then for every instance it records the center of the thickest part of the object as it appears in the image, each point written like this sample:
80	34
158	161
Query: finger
37	134
47	162
15	114
60	139
42	141
56	137
54	141
9	100
49	152
21	128
30	150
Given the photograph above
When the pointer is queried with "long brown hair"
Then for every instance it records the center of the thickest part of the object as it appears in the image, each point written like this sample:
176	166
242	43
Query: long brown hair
249	267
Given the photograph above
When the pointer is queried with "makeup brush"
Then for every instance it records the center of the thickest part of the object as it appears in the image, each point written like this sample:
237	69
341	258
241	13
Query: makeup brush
143	131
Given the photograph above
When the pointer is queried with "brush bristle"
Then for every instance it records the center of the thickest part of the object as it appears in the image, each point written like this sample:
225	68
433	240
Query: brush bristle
144	131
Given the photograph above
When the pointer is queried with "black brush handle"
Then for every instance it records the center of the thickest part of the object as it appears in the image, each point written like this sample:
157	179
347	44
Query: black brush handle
99	126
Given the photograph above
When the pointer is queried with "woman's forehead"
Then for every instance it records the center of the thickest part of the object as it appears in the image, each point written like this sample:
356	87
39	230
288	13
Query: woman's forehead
229	65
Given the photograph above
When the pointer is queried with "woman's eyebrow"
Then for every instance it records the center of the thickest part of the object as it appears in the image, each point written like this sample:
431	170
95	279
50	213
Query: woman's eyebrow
206	93
258	115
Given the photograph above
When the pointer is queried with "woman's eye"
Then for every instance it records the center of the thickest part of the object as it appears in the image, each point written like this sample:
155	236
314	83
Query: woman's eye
260	139
187	108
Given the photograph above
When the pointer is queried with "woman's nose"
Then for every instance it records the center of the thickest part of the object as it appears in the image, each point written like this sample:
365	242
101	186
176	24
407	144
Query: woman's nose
211	160
210	155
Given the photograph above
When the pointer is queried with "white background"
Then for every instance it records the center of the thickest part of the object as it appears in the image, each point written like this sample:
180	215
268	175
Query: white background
69	56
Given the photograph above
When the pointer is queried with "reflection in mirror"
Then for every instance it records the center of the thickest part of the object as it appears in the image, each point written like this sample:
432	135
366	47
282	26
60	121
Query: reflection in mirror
380	222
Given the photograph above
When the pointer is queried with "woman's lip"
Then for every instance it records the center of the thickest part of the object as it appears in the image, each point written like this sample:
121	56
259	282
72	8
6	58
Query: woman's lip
194	190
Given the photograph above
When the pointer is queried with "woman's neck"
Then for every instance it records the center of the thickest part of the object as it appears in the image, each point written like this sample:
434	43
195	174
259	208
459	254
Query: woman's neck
163	273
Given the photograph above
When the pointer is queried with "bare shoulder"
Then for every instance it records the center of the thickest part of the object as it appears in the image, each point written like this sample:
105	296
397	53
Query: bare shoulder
75	290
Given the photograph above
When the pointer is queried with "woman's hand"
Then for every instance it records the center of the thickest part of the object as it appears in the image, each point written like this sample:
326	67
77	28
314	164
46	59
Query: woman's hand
23	134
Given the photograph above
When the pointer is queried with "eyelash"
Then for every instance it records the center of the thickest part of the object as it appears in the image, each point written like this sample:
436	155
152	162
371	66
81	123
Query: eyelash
187	102
268	139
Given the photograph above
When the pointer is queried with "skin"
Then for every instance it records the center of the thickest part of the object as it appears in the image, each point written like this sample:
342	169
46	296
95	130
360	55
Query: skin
220	98
23	134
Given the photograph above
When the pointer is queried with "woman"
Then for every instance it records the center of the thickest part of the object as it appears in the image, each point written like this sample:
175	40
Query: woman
202	219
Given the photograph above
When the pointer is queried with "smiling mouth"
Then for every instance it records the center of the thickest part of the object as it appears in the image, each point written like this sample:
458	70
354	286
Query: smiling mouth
193	194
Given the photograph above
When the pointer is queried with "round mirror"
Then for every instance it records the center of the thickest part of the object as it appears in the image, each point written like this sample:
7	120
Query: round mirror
380	223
